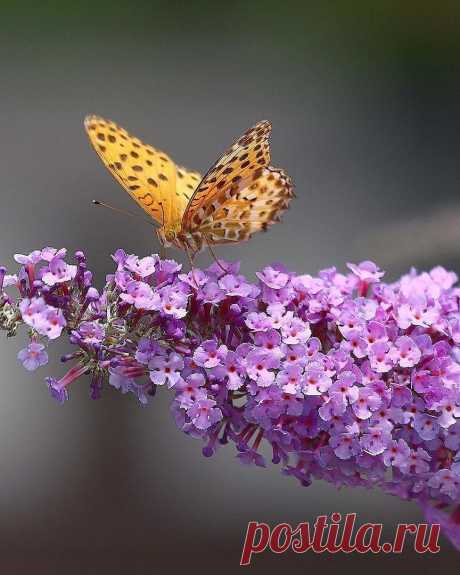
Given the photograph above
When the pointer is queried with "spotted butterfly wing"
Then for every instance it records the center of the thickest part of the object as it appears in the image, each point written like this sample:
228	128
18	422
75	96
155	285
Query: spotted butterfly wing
149	175
251	209
241	193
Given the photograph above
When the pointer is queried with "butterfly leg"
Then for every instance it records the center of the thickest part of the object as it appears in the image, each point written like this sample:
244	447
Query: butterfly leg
162	252
191	259
211	251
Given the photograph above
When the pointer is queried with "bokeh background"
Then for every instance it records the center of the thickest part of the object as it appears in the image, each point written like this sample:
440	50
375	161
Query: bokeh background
364	101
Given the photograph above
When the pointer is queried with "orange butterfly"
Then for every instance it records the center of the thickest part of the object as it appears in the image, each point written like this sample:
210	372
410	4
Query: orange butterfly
239	195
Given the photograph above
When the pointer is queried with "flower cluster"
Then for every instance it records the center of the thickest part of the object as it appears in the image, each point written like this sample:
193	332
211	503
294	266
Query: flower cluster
345	378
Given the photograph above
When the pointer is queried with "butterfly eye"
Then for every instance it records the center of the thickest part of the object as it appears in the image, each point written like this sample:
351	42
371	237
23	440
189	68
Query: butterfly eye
170	235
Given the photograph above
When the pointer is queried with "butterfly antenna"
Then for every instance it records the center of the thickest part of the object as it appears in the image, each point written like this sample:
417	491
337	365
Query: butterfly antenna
121	211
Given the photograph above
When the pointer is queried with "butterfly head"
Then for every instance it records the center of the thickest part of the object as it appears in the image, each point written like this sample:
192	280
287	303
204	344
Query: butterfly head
168	234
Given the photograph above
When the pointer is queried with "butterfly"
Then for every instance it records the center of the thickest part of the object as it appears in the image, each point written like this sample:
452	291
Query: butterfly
239	195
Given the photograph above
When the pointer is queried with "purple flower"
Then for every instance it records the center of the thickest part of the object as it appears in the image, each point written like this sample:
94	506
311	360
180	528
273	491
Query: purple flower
58	393
258	321
211	293
142	267
121	382
58	272
452	437
166	369
417	312
294	331
53	324
33	356
10	280
174	301
273	278
366	271
344	391
270	341
190	390
147	349
204	414
91	332
166	271
376	440
450	411
48	253
210	354
232	371
290	379
30	259
397	454
426	426
345	445
315	382
277	315
59	388
251	457
368	401
45	319
380	357
235	285
418	462
447	482
259	366
405	352
344	378
141	295
31	310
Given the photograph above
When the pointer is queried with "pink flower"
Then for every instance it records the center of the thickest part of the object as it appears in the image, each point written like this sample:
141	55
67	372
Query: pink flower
33	356
397	454
259	365
209	354
376	440
450	411
204	414
447	482
426	426
143	267
315	382
416	312
58	272
190	390
345	445
380	357
295	331
366	271
368	401
405	352
166	369
45	319
141	295
30	259
273	278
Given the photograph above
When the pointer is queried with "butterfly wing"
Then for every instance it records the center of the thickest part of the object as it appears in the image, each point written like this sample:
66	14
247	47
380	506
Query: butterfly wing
252	208
147	174
249	152
241	194
186	183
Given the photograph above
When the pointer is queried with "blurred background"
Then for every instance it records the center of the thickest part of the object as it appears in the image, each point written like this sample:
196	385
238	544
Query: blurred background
364	101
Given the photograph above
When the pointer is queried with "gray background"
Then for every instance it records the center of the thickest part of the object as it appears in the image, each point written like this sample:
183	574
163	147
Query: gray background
364	106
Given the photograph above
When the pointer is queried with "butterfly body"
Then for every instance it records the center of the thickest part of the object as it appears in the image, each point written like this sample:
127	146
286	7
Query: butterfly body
191	242
238	196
